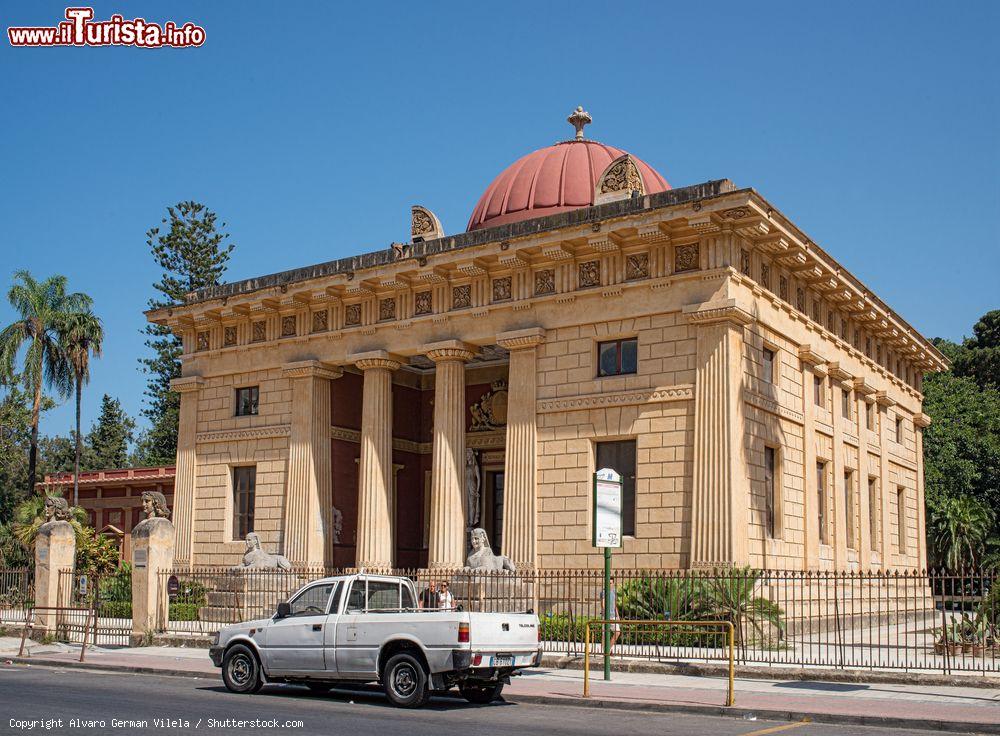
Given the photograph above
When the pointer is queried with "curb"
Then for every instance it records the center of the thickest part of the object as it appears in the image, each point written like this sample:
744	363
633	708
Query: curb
592	702
693	669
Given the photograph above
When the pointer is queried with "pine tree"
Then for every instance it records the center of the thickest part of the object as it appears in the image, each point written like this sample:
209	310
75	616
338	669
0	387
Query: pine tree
193	253
109	438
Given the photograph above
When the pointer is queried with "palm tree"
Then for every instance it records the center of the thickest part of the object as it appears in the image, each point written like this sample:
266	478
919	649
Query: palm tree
959	528
29	515
43	307
82	336
732	596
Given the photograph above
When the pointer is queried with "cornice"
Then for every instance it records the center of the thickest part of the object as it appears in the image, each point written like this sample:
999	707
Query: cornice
922	420
724	310
186	384
581	402
771	406
810	356
521	339
250	433
863	387
883	399
310	369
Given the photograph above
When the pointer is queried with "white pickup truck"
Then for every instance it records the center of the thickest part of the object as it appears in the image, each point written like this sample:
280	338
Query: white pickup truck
367	628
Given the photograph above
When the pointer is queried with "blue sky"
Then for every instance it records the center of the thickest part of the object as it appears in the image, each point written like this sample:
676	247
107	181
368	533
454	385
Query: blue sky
312	131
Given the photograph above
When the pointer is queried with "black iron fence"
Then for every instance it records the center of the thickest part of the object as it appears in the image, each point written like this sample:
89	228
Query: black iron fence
108	598
17	593
931	621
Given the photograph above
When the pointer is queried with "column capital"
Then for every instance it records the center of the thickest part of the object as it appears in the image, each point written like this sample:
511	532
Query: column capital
187	383
377	359
883	399
723	310
449	350
310	369
809	356
521	339
922	420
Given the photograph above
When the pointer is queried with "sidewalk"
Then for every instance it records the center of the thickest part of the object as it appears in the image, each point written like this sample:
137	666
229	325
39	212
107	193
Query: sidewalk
956	709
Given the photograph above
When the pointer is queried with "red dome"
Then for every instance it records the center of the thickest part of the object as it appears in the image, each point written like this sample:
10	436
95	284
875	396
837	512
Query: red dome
550	180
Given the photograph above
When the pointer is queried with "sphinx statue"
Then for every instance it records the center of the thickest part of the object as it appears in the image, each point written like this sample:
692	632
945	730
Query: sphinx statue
482	557
257	558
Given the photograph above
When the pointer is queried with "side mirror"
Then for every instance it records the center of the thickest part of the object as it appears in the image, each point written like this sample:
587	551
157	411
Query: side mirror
284	609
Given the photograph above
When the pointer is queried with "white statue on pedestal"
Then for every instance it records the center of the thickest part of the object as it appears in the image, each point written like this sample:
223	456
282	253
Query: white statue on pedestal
472	480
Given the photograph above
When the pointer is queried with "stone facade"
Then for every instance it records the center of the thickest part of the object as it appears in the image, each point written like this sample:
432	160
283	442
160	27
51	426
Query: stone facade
776	433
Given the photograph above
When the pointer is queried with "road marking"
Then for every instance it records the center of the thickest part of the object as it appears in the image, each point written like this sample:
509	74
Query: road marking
775	729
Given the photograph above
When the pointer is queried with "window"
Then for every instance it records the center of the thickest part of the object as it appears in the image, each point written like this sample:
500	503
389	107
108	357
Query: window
620	457
899	430
244	487
617	357
246	401
873	513
312	601
821	502
869	417
849	508
818	390
772	491
901	519
383	595
768	365
356	600
845	403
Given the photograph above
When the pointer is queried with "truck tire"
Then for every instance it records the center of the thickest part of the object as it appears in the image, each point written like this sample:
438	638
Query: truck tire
405	681
241	670
481	693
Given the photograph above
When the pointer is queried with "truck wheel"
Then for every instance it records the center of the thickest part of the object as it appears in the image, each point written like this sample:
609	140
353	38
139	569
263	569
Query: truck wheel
405	682
241	671
481	693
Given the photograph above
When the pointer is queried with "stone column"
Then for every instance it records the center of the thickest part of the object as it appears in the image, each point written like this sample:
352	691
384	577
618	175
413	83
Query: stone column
812	368
55	551
841	382
921	422
309	491
721	493
447	534
375	543
184	482
883	402
520	527
152	559
865	541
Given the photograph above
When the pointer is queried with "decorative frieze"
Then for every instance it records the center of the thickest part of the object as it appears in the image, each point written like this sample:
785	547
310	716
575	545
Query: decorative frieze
501	289
422	303
771	406
461	296
320	320
273	431
387	309
203	340
589	274
352	315
636	266
288	326
545	281
229	336
582	402
686	257
258	331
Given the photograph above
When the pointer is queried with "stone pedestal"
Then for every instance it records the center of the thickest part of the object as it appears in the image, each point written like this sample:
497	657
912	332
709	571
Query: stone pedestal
152	555
55	551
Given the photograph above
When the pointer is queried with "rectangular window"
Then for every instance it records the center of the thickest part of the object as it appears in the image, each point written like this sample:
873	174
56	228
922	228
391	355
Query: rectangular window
768	365
246	401
821	502
901	519
244	488
617	357
845	403
869	417
818	390
620	457
849	508
772	487
899	430
874	513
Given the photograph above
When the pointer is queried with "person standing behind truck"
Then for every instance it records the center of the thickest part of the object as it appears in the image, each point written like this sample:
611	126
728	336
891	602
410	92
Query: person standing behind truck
445	600
429	597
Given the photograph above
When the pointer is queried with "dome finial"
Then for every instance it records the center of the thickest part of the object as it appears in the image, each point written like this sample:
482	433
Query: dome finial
578	119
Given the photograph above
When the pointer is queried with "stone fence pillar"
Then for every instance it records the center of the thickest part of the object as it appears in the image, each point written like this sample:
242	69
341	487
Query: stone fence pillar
152	555
55	551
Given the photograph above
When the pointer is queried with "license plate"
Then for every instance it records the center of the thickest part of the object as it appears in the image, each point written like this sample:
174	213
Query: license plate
503	660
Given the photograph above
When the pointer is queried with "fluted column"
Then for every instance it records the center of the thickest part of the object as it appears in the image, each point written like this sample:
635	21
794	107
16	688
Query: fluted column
184	482
309	480
447	532
921	422
882	403
520	528
721	493
375	543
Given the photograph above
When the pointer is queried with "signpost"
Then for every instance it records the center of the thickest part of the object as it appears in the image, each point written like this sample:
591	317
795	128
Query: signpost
607	534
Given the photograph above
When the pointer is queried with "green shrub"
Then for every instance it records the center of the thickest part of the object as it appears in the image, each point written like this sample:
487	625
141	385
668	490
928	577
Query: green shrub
183	612
116	609
191	592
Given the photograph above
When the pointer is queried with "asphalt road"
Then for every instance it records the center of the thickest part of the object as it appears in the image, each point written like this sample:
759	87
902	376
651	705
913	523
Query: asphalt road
32	695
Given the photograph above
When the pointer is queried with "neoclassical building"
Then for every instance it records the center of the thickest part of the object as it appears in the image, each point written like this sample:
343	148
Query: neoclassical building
763	405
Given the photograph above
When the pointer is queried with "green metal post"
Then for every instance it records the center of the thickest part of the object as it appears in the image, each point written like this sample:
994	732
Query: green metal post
608	613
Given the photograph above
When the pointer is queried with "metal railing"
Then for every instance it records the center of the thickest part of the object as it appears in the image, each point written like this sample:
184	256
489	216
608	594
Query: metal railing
908	620
646	630
17	594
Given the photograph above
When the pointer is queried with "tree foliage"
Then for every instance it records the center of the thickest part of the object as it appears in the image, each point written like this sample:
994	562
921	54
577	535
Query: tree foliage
109	439
193	250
